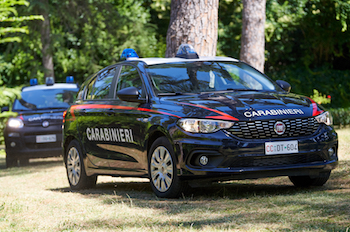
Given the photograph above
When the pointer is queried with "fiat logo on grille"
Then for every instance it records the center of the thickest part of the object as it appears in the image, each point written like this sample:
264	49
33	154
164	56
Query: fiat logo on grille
280	128
45	124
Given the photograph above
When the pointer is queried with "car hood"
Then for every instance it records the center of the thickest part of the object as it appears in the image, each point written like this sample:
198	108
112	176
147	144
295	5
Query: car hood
243	105
38	117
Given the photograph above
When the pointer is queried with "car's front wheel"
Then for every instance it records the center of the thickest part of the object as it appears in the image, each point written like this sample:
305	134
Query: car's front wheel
306	181
10	161
162	170
76	174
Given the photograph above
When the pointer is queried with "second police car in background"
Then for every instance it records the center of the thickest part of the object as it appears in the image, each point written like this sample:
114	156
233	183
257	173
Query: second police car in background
191	119
36	132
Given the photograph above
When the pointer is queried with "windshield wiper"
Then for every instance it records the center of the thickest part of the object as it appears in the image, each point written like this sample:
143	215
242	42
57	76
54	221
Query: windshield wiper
175	94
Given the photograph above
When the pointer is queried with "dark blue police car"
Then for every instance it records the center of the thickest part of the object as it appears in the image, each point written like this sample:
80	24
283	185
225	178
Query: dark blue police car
37	130
191	119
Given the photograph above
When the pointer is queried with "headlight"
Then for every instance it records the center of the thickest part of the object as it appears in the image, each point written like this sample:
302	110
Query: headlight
203	125
325	118
15	123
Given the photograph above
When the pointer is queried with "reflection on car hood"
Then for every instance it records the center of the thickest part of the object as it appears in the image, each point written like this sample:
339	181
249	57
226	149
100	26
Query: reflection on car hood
248	105
38	117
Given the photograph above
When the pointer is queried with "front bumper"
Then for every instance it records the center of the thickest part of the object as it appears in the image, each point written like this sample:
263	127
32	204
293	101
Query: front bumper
21	143
232	158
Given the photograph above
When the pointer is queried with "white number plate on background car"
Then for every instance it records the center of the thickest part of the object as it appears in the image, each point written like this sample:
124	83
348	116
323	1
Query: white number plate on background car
285	147
45	138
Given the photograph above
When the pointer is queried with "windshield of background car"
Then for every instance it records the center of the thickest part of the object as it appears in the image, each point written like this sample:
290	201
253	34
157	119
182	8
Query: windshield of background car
45	99
207	76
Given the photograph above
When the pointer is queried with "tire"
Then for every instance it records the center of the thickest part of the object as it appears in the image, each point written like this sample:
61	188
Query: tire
162	170
306	181
10	161
76	174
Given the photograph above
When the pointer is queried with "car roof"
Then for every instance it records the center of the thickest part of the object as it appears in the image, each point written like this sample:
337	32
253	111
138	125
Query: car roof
154	61
54	86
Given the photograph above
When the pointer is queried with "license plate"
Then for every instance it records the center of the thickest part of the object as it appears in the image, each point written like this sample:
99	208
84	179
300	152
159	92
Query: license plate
286	147
45	138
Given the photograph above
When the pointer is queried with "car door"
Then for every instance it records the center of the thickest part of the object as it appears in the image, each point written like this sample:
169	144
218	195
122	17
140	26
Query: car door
94	117
129	126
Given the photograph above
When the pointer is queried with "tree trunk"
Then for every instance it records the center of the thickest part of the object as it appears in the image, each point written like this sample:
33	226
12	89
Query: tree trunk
193	22
253	33
46	40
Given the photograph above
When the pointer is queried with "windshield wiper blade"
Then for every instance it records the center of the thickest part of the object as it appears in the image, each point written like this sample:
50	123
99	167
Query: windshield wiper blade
175	94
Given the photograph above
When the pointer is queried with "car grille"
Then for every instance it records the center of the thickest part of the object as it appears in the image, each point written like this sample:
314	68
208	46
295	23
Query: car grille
270	161
265	129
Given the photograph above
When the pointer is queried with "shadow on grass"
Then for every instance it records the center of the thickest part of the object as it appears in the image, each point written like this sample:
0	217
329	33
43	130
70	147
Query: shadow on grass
36	164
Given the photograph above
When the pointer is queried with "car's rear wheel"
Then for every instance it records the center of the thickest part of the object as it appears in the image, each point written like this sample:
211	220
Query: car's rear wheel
162	170
306	181
76	174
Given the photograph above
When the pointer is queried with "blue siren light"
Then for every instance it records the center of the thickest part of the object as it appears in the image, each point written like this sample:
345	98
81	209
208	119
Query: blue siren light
128	53
50	81
186	51
33	81
69	79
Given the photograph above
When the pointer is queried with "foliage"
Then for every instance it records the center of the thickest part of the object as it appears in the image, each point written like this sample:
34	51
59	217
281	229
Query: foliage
89	35
320	98
9	15
327	81
7	96
341	116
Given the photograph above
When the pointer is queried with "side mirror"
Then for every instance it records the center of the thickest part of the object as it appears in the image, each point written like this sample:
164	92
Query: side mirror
284	85
5	108
130	94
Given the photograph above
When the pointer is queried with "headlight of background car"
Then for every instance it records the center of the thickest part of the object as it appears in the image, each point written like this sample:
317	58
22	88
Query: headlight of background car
203	125
15	123
325	118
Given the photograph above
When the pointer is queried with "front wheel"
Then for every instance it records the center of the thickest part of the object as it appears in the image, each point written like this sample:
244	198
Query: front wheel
76	174
10	161
162	170
306	181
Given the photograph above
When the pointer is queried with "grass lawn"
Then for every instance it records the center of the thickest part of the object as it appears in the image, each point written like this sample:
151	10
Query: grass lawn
37	198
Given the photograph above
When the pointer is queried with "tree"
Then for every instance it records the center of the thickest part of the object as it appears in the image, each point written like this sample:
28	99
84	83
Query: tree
193	22
9	15
253	33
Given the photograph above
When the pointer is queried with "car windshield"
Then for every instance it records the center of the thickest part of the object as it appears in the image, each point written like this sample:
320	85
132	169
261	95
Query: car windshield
45	99
207	76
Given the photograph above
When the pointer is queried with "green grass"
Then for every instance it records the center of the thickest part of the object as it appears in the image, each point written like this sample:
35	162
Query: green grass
37	198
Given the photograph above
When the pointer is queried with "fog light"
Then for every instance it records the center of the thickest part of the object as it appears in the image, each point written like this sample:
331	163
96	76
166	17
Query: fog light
203	160
13	144
331	151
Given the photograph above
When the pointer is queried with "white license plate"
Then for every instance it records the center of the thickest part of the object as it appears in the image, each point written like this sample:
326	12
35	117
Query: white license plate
45	138
286	147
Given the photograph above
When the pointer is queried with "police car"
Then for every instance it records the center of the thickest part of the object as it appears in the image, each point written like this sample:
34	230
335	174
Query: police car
189	119
37	130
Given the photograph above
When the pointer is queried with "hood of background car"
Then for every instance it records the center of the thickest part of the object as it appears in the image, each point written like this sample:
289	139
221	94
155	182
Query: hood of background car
244	105
38	117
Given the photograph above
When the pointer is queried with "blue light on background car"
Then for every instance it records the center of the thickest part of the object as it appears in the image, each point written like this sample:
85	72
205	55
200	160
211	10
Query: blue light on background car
69	79
33	81
128	53
186	51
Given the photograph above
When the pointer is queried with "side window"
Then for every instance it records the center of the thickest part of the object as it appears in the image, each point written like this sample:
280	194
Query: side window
102	84
90	88
129	77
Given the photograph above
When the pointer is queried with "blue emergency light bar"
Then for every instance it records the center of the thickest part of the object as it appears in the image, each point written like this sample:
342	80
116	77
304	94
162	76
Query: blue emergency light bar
50	81
186	51
33	81
128	53
69	79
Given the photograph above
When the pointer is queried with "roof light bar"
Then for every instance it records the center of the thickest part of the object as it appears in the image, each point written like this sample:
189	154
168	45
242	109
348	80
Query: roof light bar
69	79
33	81
186	51
128	54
